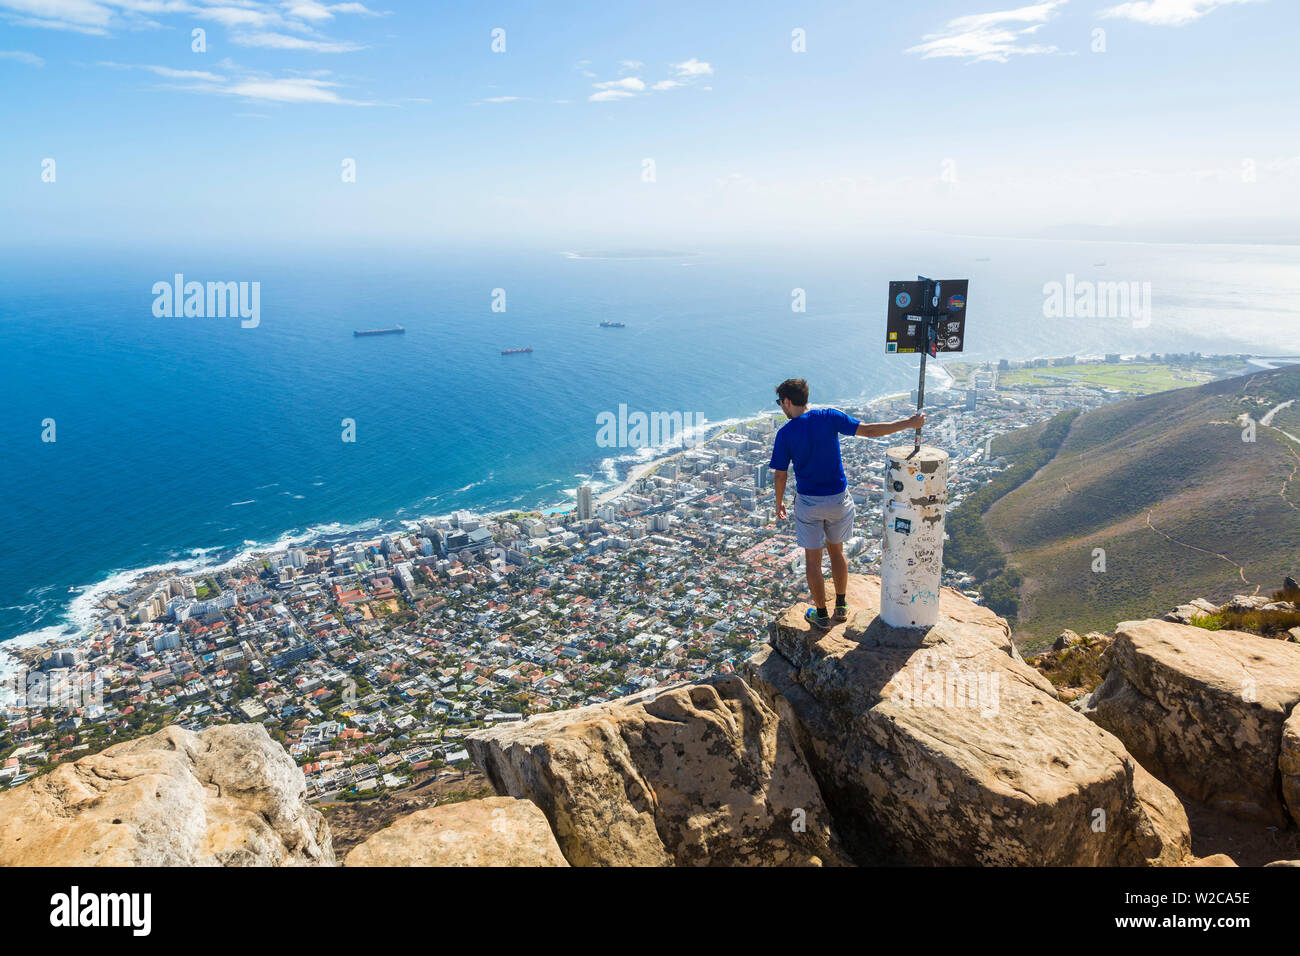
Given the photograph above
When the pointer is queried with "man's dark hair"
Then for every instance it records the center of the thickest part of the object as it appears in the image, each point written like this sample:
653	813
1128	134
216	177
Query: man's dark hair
795	389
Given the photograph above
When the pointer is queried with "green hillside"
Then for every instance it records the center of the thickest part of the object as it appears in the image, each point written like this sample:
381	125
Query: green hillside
1165	484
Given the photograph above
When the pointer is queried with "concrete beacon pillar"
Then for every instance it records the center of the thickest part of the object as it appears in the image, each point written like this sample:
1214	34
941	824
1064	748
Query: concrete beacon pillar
916	496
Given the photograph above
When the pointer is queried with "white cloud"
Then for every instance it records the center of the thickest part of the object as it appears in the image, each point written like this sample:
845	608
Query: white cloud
1166	13
58	25
308	10
260	23
633	83
687	72
693	67
503	99
31	59
86	16
168	72
990	36
249	85
239	16
318	12
282	41
291	90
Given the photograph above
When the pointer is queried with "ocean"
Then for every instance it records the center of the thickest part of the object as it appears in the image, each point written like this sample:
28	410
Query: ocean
184	441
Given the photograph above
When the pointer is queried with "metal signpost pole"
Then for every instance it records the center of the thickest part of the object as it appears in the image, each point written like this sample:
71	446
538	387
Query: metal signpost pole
929	310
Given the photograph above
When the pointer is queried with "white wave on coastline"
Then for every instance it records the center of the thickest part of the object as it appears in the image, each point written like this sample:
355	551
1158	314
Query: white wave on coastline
83	611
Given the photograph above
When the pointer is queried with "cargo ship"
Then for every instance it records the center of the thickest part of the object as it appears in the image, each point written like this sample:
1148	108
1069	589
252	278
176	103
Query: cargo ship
395	330
612	325
528	348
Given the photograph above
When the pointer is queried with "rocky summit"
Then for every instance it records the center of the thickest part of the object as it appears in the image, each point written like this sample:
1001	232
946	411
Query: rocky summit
862	744
941	746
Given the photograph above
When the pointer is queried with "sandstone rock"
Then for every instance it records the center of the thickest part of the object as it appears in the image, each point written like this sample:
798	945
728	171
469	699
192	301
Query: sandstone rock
1246	602
226	796
938	746
1288	763
1203	710
1183	614
1281	606
497	831
1207	607
1068	638
1217	859
696	774
1294	635
1284	863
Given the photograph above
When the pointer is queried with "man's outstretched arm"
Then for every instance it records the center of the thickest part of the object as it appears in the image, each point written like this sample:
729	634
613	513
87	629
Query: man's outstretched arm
881	429
778	482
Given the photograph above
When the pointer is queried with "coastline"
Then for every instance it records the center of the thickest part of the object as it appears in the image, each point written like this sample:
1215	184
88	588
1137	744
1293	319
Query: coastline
83	612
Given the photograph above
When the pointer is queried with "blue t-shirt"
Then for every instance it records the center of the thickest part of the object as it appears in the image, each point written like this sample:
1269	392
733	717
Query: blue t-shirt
812	442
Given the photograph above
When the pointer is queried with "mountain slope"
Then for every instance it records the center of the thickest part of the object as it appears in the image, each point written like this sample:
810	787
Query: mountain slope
1179	502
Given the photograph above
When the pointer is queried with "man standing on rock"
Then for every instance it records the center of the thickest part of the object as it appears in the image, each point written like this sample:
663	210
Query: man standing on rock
823	508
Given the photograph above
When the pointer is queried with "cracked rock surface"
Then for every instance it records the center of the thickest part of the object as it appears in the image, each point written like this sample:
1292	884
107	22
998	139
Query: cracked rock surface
225	796
693	775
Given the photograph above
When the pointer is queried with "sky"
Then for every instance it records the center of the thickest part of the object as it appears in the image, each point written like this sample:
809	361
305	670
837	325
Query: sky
592	125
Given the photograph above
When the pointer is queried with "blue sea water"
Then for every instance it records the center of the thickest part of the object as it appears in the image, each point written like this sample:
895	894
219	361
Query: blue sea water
181	439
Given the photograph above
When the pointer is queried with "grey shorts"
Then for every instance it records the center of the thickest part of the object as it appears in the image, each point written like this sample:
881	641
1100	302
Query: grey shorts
822	518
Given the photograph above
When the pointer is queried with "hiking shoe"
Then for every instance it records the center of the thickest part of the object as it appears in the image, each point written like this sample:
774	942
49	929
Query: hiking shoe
841	612
817	620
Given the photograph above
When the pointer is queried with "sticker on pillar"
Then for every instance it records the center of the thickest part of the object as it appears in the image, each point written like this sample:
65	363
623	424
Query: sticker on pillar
891	346
898	486
902	526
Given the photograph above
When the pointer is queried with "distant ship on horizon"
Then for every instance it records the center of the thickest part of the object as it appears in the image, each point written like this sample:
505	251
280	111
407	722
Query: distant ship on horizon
395	330
613	325
527	348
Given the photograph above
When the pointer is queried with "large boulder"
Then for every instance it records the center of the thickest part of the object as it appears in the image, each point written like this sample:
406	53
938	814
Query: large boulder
696	774
1205	711
496	831
941	746
1288	763
225	796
